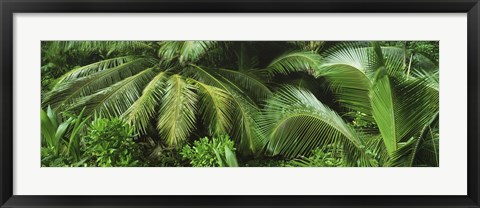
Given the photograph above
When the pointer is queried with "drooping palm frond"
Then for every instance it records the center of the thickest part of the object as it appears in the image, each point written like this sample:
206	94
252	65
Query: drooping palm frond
295	123
64	94
216	108
94	67
348	70
140	113
176	119
114	100
297	61
349	85
245	132
356	55
186	51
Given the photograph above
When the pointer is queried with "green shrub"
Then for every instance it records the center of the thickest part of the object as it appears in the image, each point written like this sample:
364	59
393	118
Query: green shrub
109	143
217	152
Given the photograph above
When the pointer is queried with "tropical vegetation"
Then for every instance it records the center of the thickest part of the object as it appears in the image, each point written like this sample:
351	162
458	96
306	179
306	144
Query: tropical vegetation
240	104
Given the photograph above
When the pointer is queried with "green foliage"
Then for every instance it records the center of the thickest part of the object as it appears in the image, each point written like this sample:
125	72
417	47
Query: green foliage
53	129
62	134
217	152
109	143
376	102
61	137
319	158
50	158
293	119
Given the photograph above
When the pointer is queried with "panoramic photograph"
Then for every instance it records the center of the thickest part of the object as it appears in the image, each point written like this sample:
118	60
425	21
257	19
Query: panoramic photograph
239	104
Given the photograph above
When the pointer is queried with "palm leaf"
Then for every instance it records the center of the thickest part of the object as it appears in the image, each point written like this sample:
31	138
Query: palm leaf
216	108
402	108
245	132
297	61
176	119
93	68
186	51
383	112
113	101
67	92
348	69
140	113
295	123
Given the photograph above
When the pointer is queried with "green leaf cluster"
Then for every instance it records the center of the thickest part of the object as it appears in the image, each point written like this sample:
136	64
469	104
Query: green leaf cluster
216	152
109	143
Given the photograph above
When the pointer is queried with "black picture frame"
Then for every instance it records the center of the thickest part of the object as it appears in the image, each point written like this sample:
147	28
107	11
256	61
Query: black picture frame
9	7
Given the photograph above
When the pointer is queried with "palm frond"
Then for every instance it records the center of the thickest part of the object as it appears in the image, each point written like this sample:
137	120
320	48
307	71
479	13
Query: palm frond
356	55
394	60
186	51
383	111
417	104
93	68
421	150
401	108
176	119
295	123
67	92
350	86
216	108
140	113
431	78
113	101
427	153
297	61
245	132
348	69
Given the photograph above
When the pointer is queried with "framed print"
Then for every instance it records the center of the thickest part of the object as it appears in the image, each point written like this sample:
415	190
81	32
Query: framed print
239	104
